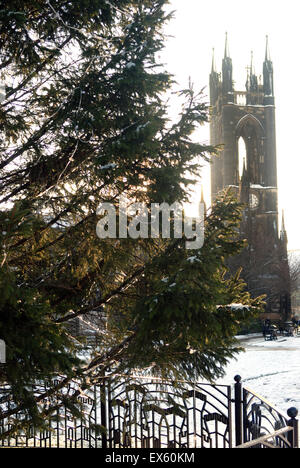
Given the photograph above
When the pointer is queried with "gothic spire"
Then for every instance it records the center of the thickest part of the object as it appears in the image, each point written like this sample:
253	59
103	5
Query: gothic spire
268	77
227	74
245	185
244	167
283	232
283	222
249	73
252	84
245	178
214	82
202	194
226	53
202	202
213	64
268	56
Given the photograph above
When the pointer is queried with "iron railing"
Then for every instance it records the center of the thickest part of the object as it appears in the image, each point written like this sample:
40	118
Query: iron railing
148	414
140	412
257	418
270	440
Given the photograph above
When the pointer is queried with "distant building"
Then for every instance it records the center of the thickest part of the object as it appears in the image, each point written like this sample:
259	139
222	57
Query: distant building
244	123
294	261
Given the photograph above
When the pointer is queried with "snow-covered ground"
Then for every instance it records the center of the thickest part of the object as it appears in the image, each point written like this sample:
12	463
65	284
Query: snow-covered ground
270	368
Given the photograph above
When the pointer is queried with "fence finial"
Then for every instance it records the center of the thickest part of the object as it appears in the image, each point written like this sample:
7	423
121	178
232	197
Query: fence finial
293	436
292	413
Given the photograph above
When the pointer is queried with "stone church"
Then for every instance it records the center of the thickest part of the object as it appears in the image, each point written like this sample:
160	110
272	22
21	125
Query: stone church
243	122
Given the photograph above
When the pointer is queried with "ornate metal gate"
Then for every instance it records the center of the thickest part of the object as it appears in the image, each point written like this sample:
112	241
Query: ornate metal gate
63	430
140	412
146	414
256	418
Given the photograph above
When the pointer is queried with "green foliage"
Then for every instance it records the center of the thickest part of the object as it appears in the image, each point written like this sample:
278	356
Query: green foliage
85	121
186	324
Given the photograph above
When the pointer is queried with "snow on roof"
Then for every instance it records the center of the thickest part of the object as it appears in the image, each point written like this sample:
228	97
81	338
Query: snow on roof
234	306
257	186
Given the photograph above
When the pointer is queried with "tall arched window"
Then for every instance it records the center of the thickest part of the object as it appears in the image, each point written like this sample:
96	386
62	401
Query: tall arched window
242	155
249	134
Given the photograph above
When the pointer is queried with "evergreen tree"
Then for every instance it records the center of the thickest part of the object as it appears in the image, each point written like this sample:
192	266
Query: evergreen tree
84	121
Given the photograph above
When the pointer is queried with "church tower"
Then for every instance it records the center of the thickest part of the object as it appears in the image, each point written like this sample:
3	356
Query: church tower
243	122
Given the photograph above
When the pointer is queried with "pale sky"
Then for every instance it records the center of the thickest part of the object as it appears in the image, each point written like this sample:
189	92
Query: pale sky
200	26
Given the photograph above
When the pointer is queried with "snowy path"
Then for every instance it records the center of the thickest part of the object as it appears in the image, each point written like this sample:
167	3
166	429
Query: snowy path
271	369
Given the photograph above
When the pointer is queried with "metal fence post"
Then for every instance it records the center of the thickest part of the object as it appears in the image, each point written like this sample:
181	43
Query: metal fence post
293	436
238	391
103	398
